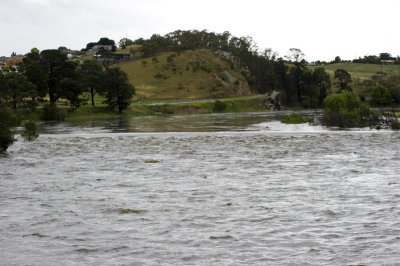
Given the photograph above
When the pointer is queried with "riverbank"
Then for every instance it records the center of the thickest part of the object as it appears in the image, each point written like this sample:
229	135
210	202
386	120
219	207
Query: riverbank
233	105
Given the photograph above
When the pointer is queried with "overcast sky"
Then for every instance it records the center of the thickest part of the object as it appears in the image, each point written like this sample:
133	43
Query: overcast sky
321	29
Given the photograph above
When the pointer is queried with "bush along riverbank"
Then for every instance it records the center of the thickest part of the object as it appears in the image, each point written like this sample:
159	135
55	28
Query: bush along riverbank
345	110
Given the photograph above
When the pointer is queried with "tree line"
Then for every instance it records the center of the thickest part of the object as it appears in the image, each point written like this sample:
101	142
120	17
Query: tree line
51	74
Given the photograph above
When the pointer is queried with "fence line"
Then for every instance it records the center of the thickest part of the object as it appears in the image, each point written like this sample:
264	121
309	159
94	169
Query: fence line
165	100
139	100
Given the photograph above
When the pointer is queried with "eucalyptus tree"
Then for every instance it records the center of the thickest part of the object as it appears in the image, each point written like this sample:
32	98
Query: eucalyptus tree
90	77
296	56
33	70
53	63
344	79
16	89
116	89
322	81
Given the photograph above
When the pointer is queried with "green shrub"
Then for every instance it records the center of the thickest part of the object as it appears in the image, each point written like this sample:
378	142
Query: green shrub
346	110
7	120
219	106
395	124
30	132
380	96
294	119
52	113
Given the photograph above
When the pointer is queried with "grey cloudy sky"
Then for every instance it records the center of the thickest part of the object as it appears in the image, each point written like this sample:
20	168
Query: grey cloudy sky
321	29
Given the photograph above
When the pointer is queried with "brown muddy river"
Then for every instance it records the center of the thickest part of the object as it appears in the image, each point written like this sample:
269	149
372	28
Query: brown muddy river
227	189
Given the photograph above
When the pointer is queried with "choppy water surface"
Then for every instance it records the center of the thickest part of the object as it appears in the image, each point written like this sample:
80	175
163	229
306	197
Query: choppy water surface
250	192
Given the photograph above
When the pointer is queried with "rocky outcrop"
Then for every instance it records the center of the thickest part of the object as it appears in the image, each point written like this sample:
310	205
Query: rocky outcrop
273	101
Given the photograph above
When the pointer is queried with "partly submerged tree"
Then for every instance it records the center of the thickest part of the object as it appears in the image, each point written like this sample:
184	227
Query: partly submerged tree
116	89
7	120
346	110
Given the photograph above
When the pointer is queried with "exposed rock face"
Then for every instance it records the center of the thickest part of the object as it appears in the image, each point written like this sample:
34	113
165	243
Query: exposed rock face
273	101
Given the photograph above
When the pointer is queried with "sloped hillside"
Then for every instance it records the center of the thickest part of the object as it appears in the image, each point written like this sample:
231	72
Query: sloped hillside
190	74
362	71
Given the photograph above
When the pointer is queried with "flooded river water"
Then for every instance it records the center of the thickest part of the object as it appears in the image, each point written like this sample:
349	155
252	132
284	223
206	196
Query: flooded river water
228	189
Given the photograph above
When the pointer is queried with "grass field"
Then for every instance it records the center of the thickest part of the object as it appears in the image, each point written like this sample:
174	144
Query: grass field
358	71
362	71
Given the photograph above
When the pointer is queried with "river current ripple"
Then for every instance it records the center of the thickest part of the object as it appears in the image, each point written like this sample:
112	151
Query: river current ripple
202	199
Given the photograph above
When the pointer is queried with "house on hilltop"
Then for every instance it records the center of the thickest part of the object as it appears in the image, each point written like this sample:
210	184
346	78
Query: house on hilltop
388	62
114	58
99	47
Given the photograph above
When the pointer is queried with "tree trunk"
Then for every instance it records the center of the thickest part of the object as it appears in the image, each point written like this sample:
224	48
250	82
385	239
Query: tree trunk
52	96
119	104
92	94
14	103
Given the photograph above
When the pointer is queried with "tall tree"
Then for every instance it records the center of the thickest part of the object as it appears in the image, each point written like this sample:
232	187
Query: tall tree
90	76
106	57
53	62
322	81
284	80
33	71
385	56
296	56
116	89
124	42
107	41
344	79
18	88
69	85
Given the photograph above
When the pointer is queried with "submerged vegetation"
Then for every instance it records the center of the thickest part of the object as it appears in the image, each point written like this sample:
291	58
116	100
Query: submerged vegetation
30	130
7	121
295	119
345	110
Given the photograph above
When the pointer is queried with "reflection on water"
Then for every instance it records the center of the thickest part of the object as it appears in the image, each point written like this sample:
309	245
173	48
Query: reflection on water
175	123
238	190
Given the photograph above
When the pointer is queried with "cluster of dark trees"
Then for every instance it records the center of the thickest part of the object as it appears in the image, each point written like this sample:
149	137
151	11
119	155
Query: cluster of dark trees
367	59
50	73
263	70
373	59
102	41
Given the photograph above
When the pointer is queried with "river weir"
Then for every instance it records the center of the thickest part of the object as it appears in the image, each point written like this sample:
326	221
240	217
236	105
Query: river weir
228	189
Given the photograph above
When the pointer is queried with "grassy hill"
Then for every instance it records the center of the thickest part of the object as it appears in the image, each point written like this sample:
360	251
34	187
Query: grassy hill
359	71
190	74
362	71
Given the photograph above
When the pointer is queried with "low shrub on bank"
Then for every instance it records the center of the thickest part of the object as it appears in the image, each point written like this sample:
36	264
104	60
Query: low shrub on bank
345	110
294	119
219	106
395	124
52	113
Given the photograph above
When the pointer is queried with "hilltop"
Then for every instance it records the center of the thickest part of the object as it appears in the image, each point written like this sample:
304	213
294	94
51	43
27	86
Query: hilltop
188	74
362	71
359	72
